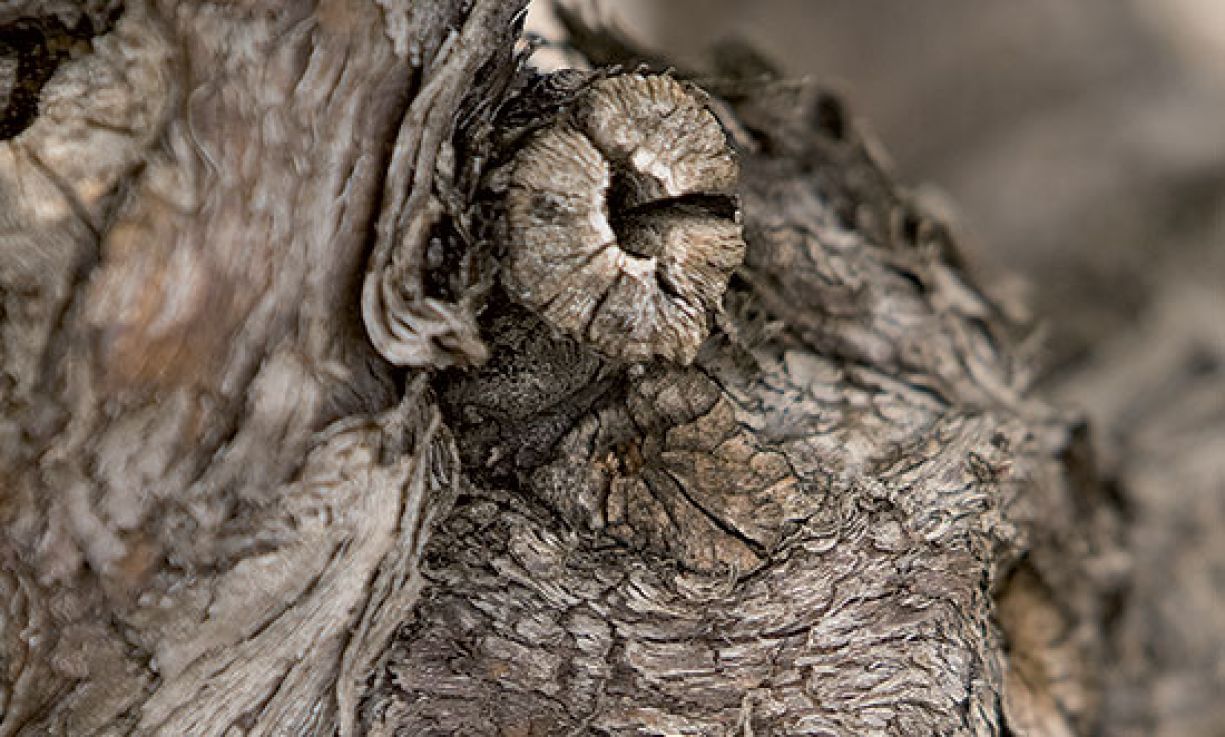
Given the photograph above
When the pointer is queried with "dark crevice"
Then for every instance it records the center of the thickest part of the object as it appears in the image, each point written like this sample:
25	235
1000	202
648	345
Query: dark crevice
621	191
629	222
666	287
828	116
444	254
723	525
709	205
31	49
910	227
910	277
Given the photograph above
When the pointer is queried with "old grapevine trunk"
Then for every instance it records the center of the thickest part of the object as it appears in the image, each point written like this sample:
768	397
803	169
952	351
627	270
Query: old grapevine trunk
289	445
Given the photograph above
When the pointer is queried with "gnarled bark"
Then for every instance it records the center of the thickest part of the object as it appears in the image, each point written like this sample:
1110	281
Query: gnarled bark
214	494
227	510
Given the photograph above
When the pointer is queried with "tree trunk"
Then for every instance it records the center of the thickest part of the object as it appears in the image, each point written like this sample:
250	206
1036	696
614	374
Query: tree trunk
289	447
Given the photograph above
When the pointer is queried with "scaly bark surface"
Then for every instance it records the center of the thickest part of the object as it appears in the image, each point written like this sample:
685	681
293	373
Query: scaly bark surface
281	454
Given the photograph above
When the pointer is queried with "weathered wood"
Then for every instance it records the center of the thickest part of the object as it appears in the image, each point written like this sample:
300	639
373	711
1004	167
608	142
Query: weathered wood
227	511
214	496
818	529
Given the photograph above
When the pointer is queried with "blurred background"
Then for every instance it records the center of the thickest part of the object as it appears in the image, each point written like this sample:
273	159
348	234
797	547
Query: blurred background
1080	149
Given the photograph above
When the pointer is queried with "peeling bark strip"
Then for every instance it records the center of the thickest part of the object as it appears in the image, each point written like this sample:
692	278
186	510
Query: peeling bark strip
815	497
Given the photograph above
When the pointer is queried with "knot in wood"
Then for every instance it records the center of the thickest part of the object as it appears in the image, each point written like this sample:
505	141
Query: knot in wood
623	219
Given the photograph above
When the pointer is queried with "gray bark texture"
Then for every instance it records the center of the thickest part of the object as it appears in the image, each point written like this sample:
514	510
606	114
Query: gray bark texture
285	451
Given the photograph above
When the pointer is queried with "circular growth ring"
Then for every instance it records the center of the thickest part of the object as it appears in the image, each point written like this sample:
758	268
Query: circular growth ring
623	222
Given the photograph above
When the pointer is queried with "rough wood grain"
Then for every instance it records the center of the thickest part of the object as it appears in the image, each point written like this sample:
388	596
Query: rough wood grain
226	511
213	497
848	517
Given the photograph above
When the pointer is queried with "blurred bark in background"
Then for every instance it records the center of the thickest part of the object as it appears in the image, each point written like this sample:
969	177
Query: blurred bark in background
1080	148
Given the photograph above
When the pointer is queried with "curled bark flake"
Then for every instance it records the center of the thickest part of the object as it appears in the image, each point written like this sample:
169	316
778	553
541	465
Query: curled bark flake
622	219
405	323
